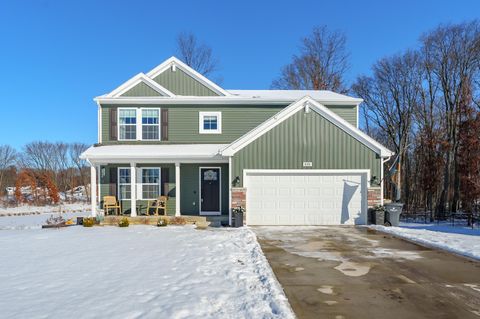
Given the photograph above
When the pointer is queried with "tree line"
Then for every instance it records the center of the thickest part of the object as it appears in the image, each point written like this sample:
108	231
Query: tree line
422	103
41	171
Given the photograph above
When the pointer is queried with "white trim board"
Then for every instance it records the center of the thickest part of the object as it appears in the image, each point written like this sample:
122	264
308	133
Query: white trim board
140	77
200	212
309	104
204	100
175	62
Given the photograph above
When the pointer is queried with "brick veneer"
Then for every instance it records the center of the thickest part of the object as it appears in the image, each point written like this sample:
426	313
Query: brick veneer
239	197
374	196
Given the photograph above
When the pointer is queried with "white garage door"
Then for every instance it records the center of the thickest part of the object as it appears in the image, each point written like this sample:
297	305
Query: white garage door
306	197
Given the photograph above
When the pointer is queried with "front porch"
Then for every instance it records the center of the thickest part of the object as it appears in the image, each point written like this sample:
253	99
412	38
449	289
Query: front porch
195	178
191	189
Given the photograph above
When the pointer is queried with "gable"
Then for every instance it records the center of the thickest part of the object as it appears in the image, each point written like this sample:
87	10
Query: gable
308	105
180	83
141	89
306	137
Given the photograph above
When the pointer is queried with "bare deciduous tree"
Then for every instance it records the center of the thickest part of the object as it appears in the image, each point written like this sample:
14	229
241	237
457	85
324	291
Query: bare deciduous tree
197	55
321	64
391	95
452	52
8	155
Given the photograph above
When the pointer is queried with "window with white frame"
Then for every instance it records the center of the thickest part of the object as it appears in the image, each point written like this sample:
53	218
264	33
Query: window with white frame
124	183
150	183
150	124
210	122
127	124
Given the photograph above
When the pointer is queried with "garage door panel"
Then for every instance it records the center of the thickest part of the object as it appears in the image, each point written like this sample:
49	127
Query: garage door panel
306	198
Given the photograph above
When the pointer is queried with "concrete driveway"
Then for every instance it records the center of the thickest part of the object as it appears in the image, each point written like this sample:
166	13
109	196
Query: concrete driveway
352	272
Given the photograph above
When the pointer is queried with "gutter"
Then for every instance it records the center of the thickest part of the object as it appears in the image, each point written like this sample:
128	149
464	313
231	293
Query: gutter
221	100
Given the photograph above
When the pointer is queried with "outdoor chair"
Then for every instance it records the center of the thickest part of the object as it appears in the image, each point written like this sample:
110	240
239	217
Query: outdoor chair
110	202
159	204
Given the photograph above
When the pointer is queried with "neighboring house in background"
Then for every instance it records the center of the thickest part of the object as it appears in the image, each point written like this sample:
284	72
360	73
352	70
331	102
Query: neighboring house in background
289	157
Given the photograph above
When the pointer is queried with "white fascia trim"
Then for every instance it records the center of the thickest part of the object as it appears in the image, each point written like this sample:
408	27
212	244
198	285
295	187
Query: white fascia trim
140	77
294	108
194	74
206	100
155	160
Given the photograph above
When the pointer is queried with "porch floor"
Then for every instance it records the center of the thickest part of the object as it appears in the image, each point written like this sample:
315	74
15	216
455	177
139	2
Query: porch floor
214	221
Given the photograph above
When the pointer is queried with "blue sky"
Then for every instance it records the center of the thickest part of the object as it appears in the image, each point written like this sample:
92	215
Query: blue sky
55	56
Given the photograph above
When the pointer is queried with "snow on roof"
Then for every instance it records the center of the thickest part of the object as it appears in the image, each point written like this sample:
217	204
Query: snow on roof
319	95
170	151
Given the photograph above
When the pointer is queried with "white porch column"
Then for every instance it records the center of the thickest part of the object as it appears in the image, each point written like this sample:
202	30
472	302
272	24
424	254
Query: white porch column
177	189
230	191
133	190
93	189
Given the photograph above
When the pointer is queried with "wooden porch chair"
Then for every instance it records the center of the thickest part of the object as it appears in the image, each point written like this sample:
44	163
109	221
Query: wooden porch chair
159	204
110	202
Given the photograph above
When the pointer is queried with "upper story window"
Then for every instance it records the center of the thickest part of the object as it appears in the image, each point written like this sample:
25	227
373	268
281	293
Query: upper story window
210	122
138	124
150	124
127	124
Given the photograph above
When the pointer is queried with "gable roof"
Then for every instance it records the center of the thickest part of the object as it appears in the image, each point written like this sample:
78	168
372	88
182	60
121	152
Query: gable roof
305	102
173	61
139	78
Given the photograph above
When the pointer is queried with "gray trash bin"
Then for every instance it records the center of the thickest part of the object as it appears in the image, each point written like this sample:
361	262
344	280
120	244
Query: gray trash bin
379	217
238	219
393	211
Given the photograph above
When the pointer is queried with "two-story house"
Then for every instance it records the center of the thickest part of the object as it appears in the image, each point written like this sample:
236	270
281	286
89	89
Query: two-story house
288	157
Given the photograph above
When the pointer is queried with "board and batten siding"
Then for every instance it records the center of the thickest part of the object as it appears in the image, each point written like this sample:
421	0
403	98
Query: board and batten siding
180	83
305	137
236	121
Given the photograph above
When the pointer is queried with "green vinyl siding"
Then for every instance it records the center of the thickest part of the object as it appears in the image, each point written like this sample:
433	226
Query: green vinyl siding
180	83
347	112
183	121
141	89
141	204
305	137
189	187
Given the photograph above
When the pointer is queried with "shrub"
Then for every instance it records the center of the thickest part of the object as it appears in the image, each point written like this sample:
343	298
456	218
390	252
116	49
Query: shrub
123	222
178	221
88	222
162	222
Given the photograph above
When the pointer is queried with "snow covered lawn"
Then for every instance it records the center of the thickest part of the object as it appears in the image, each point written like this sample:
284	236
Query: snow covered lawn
30	209
460	240
140	271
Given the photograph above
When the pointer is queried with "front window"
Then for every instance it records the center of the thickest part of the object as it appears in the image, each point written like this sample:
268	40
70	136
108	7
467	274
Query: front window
210	122
150	124
127	123
124	183
150	183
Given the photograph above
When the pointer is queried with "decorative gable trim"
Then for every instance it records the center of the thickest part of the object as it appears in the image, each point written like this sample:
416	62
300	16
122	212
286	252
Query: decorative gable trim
308	104
141	77
176	63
